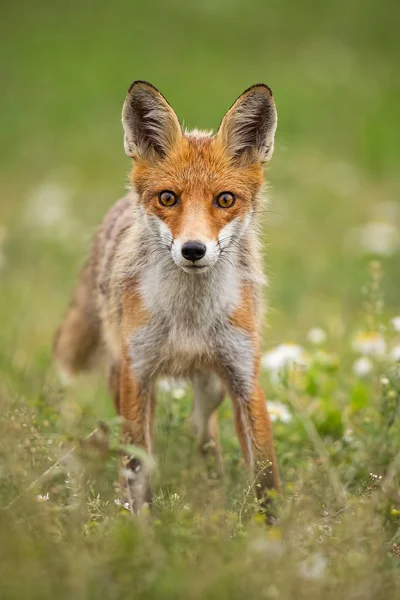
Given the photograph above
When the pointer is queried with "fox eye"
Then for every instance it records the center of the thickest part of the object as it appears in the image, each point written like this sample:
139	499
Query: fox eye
167	198
225	200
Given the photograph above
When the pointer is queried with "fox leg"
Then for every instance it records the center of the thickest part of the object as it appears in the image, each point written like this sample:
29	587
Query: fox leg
239	365
253	427
208	394
136	407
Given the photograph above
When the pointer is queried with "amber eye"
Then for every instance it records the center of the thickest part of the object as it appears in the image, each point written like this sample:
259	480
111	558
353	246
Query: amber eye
225	200
167	198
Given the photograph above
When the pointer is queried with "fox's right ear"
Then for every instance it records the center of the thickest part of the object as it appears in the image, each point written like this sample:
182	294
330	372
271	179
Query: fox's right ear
150	124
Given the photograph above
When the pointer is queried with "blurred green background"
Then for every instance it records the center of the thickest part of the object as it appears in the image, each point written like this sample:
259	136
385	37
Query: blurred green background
333	67
334	189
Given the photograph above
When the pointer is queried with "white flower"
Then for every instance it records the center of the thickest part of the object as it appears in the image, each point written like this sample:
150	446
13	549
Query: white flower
283	356
375	237
48	205
164	384
279	412
362	366
48	208
371	343
384	381
124	505
396	323
313	567
44	498
316	336
348	436
395	353
175	387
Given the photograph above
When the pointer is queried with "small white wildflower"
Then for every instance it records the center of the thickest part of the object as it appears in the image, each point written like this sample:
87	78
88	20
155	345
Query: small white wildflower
369	343
377	237
313	567
380	238
41	498
48	205
362	366
124	505
175	387
282	357
178	393
396	323
316	336
384	381
395	353
348	436
279	412
164	384
48	209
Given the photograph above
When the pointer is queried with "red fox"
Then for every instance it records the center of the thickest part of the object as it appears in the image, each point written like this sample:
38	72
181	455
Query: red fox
172	284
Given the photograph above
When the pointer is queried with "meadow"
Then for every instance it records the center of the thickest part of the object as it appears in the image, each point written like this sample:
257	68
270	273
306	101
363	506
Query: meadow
331	337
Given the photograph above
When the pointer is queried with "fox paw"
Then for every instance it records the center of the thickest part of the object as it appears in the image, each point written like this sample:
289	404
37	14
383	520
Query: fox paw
134	484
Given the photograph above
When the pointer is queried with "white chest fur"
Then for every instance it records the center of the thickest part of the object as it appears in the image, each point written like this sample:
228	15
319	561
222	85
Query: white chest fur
190	300
184	309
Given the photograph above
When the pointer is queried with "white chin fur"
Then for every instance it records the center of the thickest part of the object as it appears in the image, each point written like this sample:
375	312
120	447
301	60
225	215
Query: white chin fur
195	270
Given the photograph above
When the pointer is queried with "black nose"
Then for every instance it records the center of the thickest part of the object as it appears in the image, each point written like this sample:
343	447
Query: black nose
193	251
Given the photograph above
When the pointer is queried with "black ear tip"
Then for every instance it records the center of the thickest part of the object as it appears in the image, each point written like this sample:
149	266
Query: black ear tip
259	87
141	83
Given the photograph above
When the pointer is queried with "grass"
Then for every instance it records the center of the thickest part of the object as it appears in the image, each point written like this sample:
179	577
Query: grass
333	70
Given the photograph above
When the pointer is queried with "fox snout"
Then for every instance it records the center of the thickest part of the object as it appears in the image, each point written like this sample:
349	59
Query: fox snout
195	256
193	251
197	249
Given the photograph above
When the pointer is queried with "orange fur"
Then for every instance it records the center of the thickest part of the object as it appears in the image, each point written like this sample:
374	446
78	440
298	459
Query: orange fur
197	169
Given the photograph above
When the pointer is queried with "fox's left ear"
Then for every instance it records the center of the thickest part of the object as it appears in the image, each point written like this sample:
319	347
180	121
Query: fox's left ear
248	128
150	124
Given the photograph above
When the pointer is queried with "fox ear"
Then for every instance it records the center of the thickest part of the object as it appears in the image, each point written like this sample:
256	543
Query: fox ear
150	124
248	128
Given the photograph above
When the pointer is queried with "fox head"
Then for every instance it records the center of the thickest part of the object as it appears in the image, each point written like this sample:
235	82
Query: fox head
198	192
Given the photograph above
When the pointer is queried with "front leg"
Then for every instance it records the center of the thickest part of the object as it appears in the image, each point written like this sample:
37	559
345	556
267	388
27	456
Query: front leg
208	394
253	427
239	364
136	401
136	407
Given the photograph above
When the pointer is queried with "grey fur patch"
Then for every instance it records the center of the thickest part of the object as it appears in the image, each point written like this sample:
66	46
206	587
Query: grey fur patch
155	350
235	354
